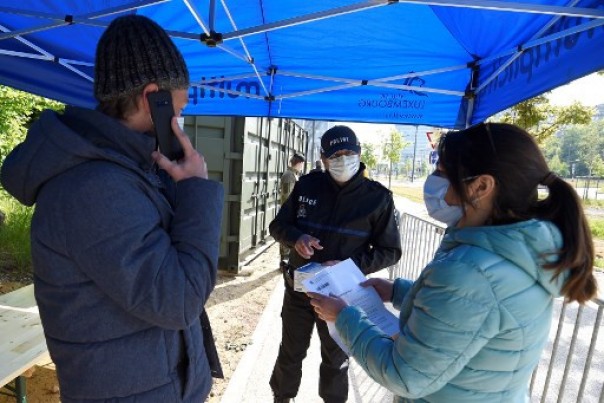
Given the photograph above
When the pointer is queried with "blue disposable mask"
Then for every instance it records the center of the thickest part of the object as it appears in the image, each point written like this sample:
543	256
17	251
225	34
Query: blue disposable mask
435	190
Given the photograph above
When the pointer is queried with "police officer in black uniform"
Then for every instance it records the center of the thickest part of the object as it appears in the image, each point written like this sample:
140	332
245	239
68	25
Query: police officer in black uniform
330	216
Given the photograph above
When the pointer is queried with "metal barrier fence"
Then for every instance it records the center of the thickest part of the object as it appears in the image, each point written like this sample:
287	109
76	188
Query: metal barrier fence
571	368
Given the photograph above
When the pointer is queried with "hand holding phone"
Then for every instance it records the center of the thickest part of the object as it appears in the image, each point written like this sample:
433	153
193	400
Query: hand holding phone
162	111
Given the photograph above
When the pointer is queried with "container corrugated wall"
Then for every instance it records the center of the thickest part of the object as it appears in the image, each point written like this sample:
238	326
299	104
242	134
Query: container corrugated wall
248	155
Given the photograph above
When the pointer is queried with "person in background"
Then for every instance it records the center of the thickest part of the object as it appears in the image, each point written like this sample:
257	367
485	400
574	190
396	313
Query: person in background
474	324
318	167
330	216
286	185
125	242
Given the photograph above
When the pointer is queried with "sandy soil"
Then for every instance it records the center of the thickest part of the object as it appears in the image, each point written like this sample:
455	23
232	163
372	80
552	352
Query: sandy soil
234	309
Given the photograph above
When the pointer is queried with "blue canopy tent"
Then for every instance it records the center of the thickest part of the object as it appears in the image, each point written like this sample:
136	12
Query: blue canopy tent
447	63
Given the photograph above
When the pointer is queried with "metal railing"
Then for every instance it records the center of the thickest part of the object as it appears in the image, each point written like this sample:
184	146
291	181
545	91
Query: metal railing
571	368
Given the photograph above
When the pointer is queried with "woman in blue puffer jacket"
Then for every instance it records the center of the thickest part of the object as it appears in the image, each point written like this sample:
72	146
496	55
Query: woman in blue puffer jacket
474	324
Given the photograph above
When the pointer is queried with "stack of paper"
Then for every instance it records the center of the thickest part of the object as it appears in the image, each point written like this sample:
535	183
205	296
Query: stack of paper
343	280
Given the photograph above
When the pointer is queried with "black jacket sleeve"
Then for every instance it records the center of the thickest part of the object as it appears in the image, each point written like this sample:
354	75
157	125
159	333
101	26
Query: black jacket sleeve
283	227
385	244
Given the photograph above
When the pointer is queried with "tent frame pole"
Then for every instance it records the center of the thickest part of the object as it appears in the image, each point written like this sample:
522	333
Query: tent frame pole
474	4
534	41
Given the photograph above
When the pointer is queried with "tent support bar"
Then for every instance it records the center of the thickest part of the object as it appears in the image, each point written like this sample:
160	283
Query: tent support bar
78	62
538	34
250	59
303	19
417	89
61	20
477	4
347	83
23	54
537	42
470	112
382	82
222	79
230	51
378	80
31	30
212	14
360	83
196	16
73	69
317	77
423	73
205	29
318	91
29	44
514	7
227	91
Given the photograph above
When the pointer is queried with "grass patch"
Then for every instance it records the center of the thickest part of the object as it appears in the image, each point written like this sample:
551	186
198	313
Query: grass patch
15	246
415	194
593	203
597	227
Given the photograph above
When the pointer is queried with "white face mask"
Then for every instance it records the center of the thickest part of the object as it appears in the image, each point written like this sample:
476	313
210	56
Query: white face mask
435	190
343	168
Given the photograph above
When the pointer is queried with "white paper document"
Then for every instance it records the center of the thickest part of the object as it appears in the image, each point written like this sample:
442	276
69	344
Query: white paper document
343	280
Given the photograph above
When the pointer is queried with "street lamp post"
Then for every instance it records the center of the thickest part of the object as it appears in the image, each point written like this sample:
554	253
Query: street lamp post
414	152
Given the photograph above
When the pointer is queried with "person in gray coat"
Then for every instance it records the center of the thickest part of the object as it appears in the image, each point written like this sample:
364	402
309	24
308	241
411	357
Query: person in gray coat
124	242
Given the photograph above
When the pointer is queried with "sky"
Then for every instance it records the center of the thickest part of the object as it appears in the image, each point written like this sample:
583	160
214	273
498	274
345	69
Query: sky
588	90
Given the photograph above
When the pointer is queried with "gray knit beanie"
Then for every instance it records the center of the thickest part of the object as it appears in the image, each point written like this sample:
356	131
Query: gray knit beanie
135	51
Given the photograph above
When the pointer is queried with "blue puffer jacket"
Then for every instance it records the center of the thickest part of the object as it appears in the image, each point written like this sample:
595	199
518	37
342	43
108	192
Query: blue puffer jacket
473	326
123	262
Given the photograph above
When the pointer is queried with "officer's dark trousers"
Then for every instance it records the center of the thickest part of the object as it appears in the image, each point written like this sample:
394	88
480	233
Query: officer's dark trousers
298	319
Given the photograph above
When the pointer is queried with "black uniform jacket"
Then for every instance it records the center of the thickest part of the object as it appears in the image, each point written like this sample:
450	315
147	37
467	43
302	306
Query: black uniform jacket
354	221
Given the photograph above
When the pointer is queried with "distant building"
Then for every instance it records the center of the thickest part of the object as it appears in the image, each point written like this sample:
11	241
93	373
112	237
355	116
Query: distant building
422	152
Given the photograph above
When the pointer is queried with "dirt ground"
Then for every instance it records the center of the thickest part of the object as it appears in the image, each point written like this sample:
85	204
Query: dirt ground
234	309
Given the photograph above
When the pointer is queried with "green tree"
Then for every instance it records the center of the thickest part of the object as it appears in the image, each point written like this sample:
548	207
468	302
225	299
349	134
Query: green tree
368	155
17	111
393	146
591	147
583	147
542	119
552	150
559	167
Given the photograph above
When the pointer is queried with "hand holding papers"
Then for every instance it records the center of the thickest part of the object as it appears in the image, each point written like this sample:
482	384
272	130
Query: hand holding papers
343	280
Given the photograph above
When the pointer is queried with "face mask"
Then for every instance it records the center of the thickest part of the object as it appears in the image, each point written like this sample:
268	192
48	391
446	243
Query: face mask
435	190
343	168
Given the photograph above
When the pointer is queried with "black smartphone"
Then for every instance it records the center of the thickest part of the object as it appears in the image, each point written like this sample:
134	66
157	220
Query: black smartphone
162	112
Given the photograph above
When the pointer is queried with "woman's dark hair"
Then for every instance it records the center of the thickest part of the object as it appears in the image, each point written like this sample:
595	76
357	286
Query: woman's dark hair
512	157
